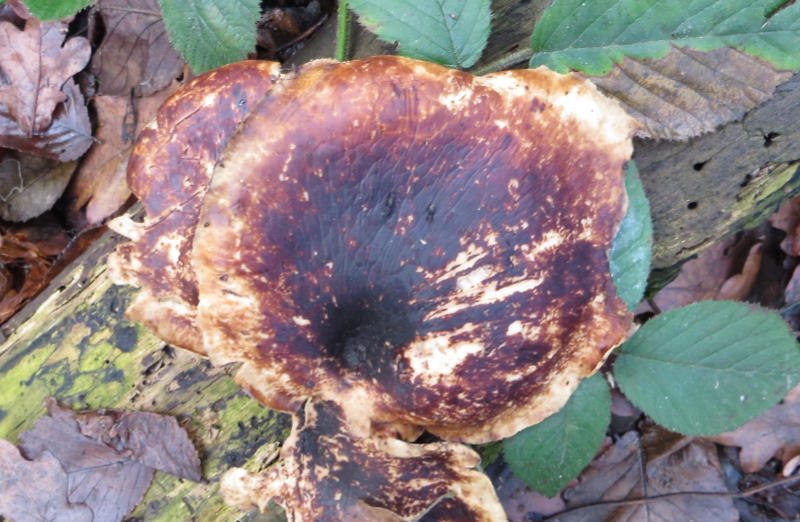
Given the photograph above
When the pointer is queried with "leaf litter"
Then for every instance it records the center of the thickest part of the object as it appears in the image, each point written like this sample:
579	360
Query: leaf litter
134	56
90	465
30	185
688	93
27	256
37	62
100	188
624	472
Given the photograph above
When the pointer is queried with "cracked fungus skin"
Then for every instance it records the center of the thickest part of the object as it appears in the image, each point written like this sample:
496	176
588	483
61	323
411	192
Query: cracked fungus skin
408	245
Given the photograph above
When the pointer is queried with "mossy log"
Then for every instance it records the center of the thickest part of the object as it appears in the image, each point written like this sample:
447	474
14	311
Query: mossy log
75	345
73	342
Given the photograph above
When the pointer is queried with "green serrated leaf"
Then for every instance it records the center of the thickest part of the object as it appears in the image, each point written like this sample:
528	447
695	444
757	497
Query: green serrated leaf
449	32
548	455
708	367
629	260
55	9
211	33
592	36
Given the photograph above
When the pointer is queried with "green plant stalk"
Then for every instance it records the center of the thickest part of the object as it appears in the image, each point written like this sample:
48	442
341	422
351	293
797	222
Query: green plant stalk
342	32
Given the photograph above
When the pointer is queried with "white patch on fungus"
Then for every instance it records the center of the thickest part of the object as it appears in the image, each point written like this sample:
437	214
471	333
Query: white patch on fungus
170	245
514	328
457	100
436	354
550	240
483	295
464	260
473	280
581	105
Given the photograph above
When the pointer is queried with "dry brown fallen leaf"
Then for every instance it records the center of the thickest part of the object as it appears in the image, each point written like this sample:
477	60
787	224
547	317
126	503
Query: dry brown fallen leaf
36	490
738	286
37	62
520	501
68	136
618	475
688	93
27	254
713	274
787	218
105	459
135	55
281	30
699	279
774	433
30	185
99	187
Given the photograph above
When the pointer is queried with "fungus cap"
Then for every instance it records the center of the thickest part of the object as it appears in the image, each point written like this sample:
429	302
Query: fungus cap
424	247
409	245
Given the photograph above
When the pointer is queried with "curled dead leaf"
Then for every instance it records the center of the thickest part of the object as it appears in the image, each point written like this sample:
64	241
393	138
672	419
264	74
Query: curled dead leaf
774	433
688	93
99	187
37	62
787	218
68	136
135	55
617	475
30	185
738	286
99	463
27	255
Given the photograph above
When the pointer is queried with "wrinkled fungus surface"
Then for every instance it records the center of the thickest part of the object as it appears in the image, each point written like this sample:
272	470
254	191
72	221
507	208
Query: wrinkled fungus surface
388	243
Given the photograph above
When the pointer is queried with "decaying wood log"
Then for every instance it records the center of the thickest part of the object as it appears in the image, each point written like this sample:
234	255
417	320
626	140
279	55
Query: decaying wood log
76	345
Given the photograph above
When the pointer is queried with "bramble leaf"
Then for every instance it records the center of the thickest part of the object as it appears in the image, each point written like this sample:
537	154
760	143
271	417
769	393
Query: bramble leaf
593	36
708	367
449	32
629	260
211	33
548	455
46	10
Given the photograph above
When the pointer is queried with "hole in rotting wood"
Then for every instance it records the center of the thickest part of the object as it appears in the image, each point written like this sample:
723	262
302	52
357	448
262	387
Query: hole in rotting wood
692	205
746	181
699	165
769	137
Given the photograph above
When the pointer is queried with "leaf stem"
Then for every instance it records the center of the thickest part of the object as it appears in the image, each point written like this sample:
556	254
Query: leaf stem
504	62
342	32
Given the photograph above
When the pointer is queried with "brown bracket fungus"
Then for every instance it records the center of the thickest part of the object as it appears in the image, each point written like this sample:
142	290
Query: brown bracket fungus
390	244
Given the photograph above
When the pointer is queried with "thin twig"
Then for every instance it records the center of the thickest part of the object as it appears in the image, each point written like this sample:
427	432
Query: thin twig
646	500
302	36
504	62
342	32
